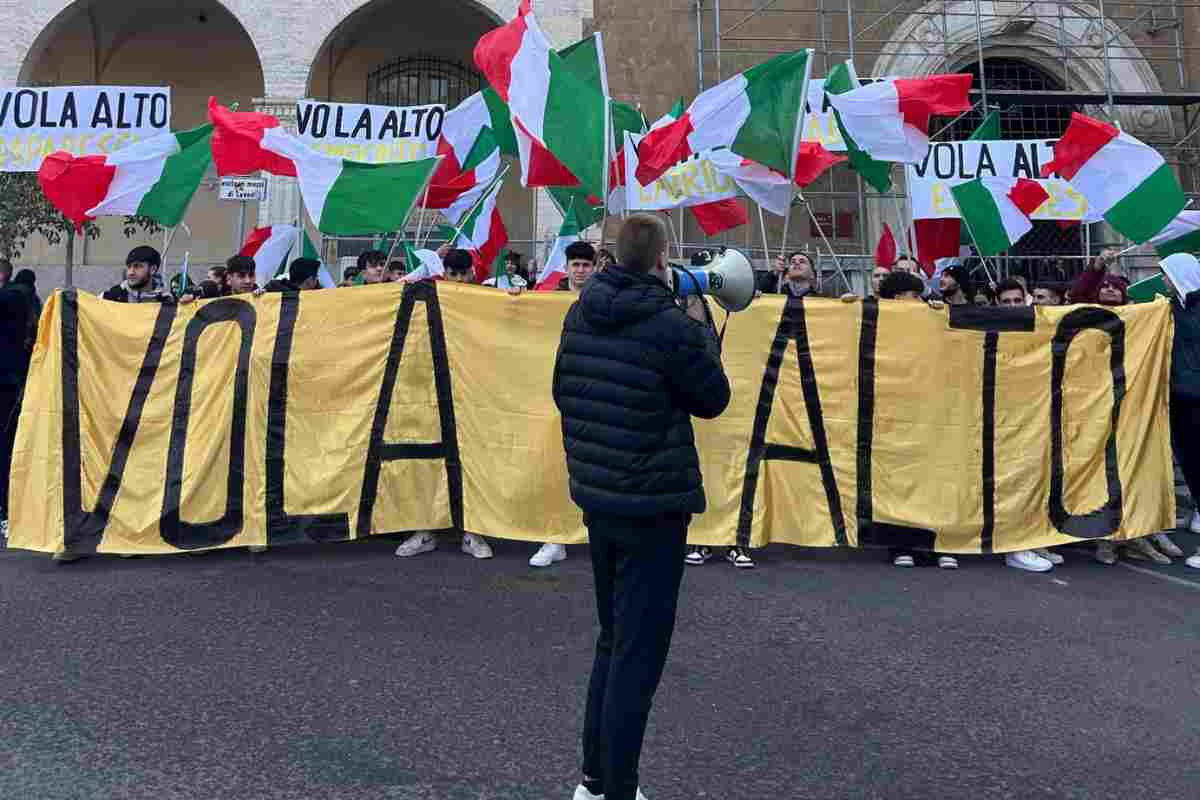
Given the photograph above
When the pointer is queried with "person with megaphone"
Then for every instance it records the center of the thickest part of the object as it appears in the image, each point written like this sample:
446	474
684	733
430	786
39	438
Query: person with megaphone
633	368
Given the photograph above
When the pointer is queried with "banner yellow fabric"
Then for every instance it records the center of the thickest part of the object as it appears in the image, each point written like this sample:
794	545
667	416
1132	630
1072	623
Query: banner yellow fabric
343	414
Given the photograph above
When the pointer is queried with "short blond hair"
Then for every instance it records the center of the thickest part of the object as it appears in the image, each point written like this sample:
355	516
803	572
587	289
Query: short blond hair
642	240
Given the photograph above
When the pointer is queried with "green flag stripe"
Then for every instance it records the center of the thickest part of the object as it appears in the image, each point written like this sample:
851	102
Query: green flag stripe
502	127
776	90
988	130
1188	243
979	210
1150	207
583	58
370	198
167	201
574	126
485	145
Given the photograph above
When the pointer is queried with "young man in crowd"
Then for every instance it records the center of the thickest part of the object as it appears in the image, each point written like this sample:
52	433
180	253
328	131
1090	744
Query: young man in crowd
1049	294
395	270
627	342
460	269
142	282
955	286
907	286
794	276
216	274
1181	273
302	275
372	266
877	276
1010	293
581	265
984	296
240	272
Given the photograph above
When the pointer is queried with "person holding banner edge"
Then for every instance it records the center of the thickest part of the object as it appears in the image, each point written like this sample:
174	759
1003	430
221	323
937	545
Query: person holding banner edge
1181	273
635	365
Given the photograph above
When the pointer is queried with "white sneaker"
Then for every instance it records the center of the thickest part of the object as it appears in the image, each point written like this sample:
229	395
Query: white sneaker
581	793
548	554
904	561
1166	546
1028	561
3	528
416	544
1051	556
1194	525
1194	561
476	546
947	562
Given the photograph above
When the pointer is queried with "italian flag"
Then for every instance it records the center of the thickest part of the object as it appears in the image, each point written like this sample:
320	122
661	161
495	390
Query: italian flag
269	247
471	153
842	79
157	177
1123	179
770	189
996	210
889	119
237	142
348	198
755	114
555	268
558	117
1182	235
481	230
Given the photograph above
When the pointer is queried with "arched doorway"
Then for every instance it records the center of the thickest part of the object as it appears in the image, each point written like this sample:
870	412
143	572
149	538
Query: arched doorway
396	53
196	51
1026	121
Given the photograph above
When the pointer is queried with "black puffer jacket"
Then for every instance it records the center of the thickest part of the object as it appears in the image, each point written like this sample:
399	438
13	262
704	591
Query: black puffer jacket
1185	360
632	370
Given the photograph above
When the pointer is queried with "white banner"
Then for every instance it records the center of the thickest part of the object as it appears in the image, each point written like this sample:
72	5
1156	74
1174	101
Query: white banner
688	183
83	120
819	123
948	164
375	134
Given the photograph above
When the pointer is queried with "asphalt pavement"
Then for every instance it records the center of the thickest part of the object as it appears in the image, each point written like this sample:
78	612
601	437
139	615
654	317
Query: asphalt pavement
342	672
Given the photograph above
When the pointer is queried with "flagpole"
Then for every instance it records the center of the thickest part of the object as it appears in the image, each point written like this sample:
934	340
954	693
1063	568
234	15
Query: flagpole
604	167
762	223
787	221
837	264
982	259
478	203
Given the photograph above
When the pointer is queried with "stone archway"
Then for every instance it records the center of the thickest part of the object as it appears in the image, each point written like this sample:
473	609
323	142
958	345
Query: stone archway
928	42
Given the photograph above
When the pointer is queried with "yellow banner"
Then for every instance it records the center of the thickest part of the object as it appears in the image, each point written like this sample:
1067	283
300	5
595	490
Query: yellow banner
347	413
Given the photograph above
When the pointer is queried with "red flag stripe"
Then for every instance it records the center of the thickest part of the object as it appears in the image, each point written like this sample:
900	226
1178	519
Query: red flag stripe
812	159
544	168
720	216
1083	139
1028	196
257	238
237	142
495	51
937	238
662	149
920	98
885	251
73	185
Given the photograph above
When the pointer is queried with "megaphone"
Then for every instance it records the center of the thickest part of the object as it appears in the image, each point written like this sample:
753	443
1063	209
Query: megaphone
728	279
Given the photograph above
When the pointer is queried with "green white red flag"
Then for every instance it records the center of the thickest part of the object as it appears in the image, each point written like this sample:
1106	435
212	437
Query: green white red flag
157	177
1182	235
1123	179
555	268
559	118
481	231
349	198
237	142
470	151
755	114
889	119
997	210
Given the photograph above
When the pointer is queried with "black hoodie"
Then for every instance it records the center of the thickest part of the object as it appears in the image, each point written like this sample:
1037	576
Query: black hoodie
632	370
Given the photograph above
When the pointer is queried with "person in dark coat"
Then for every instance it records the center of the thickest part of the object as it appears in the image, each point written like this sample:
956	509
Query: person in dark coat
1182	276
302	274
632	369
16	318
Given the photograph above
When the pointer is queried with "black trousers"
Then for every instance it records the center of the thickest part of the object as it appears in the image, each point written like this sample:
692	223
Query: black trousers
10	409
638	566
1185	435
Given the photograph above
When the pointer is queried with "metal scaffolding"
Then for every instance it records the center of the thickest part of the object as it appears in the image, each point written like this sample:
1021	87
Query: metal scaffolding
1034	60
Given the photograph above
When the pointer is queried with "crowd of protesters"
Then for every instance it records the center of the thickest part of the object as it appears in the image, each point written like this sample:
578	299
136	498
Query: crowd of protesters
793	275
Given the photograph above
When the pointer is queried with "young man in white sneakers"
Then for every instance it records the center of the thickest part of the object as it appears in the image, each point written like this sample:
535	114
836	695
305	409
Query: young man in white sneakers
581	265
459	269
1182	276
